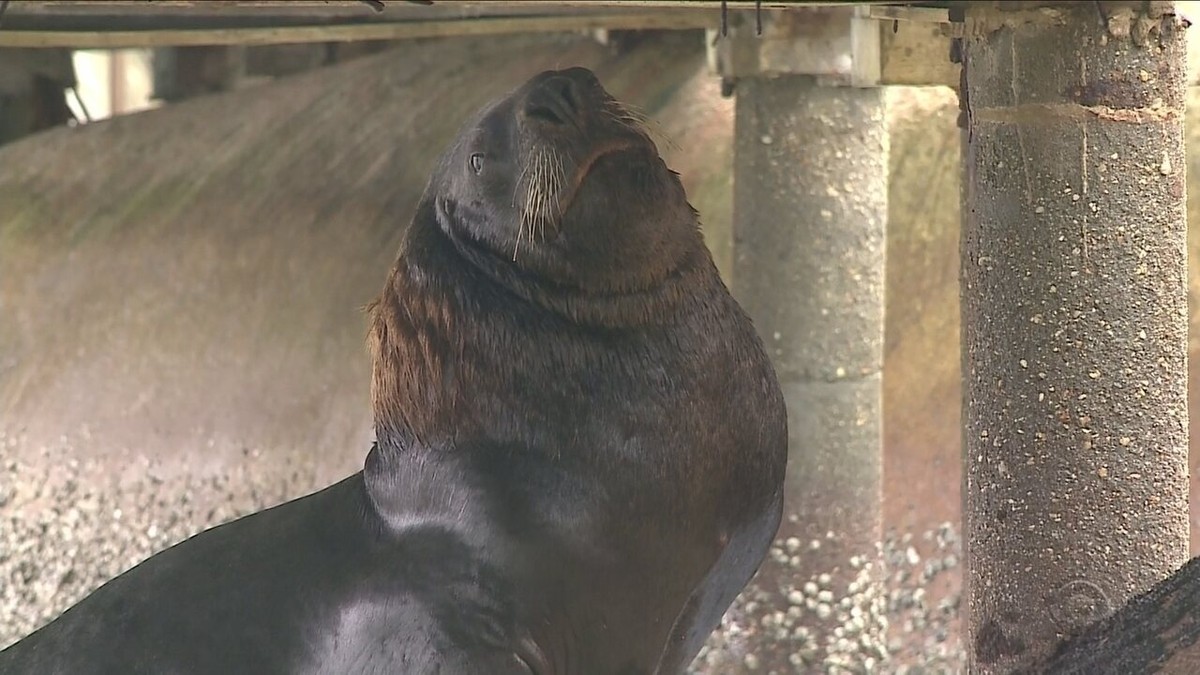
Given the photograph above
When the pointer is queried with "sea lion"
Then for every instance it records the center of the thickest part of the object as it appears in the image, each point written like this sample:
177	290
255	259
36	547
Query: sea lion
580	443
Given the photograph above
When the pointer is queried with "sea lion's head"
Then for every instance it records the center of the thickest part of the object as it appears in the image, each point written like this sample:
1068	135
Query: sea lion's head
563	181
557	193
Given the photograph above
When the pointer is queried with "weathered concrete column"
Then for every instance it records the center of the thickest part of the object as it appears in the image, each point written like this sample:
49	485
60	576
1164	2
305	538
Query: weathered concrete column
810	209
1074	319
31	90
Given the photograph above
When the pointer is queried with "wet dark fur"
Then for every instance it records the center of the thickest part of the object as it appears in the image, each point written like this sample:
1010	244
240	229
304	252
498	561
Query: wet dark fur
580	449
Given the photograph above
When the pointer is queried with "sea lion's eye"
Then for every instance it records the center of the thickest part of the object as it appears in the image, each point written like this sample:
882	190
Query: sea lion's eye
477	162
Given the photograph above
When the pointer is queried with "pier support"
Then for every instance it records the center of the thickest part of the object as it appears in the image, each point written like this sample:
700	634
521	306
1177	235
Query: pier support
810	212
1074	318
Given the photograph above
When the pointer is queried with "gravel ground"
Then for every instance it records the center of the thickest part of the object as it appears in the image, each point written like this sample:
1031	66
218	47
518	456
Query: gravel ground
853	620
67	526
924	593
919	613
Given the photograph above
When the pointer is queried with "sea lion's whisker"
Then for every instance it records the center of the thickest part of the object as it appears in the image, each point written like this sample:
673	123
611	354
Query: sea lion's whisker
640	120
543	197
658	134
626	108
539	178
517	243
539	195
530	174
531	178
629	115
517	185
554	185
534	208
539	189
539	184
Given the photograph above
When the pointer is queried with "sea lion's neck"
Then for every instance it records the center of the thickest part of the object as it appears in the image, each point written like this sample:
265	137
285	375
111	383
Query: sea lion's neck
660	296
448	306
416	337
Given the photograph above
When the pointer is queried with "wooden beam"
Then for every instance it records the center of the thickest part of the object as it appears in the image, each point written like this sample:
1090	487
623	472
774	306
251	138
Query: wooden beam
675	20
914	44
139	6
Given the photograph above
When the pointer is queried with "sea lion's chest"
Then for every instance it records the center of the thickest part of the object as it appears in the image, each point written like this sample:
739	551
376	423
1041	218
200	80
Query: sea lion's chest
653	399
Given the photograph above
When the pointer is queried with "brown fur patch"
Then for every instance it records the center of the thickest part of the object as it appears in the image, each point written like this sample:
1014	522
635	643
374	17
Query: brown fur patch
416	345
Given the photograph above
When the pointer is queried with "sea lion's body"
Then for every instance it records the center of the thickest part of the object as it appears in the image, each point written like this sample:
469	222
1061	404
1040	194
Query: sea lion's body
580	449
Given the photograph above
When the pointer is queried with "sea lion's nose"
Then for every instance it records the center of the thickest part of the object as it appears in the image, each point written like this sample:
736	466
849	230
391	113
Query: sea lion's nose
556	100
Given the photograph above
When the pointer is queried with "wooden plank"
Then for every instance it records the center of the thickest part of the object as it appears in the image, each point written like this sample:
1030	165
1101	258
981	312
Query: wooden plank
222	15
676	20
121	15
143	6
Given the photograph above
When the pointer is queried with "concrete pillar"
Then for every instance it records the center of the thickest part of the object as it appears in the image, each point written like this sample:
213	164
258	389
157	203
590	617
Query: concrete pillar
185	72
810	210
1074	319
32	82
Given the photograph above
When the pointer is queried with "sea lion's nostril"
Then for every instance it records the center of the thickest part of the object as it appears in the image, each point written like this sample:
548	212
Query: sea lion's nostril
581	76
555	100
567	94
